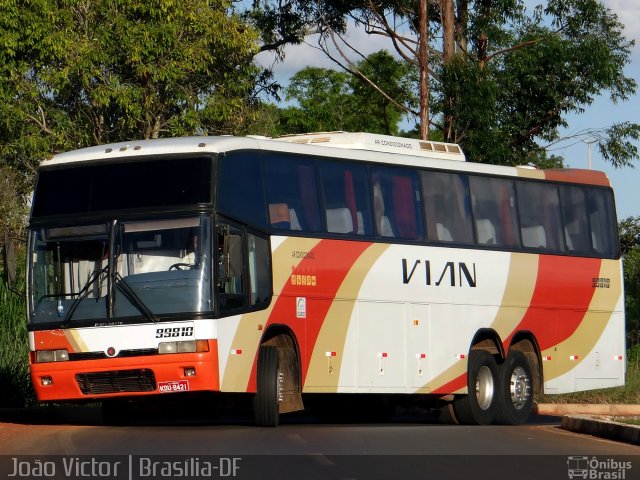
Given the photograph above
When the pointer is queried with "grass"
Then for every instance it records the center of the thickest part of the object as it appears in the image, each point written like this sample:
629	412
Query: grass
628	421
15	384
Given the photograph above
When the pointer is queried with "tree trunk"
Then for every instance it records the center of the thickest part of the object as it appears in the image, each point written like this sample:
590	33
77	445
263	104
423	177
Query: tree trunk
448	29
484	8
462	22
423	62
448	51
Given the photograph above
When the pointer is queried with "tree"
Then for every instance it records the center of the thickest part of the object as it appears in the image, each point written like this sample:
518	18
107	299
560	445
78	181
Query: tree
502	78
77	72
629	231
323	102
329	100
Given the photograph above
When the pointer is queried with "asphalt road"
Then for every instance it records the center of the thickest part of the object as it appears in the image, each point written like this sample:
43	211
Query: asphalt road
409	445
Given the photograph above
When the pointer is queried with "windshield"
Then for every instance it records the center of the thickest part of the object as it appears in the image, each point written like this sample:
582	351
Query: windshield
121	269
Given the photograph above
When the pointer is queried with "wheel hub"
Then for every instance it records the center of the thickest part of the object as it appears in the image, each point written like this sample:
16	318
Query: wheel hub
484	388
519	388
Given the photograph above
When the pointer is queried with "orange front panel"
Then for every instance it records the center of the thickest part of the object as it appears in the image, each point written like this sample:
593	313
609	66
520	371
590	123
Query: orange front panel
168	370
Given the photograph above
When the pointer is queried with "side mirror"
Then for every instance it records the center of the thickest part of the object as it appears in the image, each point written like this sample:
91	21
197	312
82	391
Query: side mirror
9	260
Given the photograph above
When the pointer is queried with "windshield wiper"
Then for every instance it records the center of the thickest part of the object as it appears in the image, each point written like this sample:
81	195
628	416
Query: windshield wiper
133	297
95	275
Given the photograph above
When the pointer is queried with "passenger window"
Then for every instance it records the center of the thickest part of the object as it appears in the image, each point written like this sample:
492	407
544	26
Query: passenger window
540	220
602	221
447	207
396	203
291	193
574	216
346	198
494	211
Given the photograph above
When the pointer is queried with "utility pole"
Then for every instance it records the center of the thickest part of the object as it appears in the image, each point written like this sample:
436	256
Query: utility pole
589	142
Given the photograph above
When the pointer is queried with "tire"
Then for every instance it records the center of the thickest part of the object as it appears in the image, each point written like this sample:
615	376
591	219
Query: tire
479	406
266	412
515	397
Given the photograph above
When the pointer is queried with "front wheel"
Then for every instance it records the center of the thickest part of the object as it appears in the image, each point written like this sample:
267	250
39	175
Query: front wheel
516	393
479	406
266	403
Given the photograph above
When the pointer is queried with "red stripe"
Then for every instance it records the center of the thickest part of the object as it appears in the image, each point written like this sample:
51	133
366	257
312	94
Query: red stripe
330	261
453	386
559	302
560	299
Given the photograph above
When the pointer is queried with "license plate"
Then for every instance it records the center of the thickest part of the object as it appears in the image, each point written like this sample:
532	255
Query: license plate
174	386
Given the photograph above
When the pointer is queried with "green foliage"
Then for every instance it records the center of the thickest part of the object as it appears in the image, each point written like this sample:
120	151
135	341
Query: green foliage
76	73
617	145
13	211
517	73
629	232
328	100
324	102
14	351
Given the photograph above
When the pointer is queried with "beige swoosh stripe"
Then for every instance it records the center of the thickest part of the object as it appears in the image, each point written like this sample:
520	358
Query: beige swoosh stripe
590	329
248	335
75	340
333	334
521	282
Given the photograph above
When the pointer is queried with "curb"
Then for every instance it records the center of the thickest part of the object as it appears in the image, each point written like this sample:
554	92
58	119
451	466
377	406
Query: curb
595	419
610	410
604	428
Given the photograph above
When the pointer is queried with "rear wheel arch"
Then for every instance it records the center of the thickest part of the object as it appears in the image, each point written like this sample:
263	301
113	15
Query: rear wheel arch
525	342
489	340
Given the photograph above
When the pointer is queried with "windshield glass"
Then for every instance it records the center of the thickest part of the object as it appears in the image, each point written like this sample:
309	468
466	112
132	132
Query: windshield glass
123	269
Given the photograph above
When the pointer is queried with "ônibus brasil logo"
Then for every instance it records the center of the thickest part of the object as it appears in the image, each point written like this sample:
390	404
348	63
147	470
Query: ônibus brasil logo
597	469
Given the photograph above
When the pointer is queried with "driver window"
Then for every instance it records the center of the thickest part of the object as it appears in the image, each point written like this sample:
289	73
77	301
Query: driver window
231	285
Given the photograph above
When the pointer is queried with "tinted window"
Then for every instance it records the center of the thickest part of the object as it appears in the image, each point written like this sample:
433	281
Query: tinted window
493	203
346	198
540	221
447	207
131	185
574	216
292	195
602	221
240	194
396	203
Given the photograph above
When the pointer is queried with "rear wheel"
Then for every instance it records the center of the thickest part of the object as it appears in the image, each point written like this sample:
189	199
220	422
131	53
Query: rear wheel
479	406
266	403
516	390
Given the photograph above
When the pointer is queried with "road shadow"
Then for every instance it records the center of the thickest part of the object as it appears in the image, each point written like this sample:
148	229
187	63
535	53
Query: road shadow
232	410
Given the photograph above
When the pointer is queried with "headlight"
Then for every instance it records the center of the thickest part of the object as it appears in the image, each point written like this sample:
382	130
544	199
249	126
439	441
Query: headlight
189	346
45	356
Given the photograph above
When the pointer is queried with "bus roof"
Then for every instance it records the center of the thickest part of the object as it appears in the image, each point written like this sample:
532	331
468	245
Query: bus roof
352	146
378	143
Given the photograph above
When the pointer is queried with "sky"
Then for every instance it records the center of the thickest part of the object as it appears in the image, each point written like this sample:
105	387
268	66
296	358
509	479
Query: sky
575	151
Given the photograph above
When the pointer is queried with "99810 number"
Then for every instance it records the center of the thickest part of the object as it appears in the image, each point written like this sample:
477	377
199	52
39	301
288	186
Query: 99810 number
174	332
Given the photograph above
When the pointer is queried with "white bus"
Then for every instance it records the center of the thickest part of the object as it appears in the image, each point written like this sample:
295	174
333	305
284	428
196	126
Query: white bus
314	264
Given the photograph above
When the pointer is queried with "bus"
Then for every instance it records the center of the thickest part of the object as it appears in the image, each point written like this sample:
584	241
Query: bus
340	263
